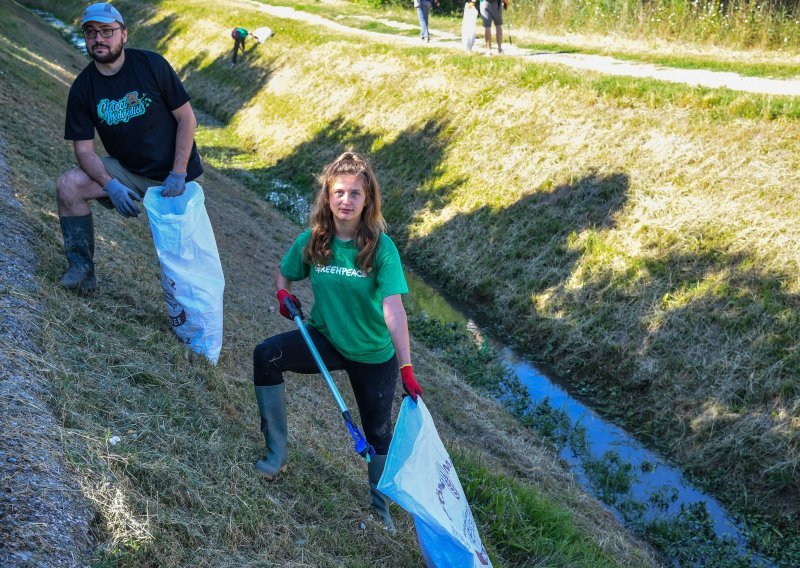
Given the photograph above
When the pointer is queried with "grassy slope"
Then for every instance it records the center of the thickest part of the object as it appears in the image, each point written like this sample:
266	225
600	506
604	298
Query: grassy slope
638	235
179	489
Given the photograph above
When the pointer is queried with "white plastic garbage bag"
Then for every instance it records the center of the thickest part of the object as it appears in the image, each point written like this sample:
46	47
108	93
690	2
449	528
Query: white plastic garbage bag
261	34
191	274
420	477
469	25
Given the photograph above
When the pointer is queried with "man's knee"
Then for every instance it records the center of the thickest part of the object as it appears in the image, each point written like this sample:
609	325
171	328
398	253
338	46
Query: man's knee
73	184
67	186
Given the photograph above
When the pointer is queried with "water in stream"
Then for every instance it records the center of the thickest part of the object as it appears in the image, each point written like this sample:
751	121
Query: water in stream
70	33
653	490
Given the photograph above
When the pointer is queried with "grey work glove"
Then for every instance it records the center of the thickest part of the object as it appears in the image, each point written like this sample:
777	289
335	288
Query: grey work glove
123	198
174	185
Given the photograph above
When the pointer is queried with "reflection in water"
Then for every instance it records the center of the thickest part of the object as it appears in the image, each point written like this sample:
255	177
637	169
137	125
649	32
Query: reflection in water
649	489
655	483
287	199
73	36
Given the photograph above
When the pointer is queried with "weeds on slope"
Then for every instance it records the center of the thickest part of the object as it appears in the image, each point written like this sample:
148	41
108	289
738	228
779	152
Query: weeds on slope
593	211
629	230
162	441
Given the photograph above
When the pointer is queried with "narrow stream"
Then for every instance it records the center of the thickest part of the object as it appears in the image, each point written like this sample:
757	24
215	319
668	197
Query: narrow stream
648	491
70	33
654	490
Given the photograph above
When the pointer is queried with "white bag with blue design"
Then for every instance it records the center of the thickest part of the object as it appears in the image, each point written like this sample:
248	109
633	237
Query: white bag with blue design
420	477
191	273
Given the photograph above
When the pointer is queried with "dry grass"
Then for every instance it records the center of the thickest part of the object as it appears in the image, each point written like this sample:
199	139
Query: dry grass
628	232
178	488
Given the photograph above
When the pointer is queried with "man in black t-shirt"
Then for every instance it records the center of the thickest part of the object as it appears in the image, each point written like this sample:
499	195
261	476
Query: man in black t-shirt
140	110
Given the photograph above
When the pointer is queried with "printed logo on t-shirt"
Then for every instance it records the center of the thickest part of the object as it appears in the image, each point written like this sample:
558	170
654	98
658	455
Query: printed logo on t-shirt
341	271
124	109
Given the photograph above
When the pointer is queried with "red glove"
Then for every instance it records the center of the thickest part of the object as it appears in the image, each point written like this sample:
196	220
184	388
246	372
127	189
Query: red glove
282	295
410	384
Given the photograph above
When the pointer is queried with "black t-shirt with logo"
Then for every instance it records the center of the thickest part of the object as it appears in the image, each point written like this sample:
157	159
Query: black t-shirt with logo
132	112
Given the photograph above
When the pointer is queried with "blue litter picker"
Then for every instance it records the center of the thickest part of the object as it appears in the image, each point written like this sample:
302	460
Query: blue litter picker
360	445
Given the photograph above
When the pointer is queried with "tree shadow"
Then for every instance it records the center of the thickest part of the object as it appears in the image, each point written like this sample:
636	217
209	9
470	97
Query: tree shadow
411	173
220	88
159	31
303	165
721	340
406	167
506	242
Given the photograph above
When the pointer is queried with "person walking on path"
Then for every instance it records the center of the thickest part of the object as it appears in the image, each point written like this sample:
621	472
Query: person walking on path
137	104
358	322
491	11
238	35
423	12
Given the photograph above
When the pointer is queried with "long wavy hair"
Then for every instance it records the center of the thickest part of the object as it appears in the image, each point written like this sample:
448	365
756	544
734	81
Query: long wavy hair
370	225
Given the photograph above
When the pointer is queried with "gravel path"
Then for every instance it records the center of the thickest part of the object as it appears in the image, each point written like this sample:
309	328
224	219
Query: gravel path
598	63
44	517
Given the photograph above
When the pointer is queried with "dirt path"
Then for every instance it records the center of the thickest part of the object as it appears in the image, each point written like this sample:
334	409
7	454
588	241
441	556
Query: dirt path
597	63
44	517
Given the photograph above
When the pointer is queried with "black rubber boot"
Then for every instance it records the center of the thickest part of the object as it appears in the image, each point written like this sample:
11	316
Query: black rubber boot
380	503
272	406
78	235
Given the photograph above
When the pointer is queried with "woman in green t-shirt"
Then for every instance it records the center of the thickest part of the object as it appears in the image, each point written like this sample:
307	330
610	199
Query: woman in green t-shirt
358	323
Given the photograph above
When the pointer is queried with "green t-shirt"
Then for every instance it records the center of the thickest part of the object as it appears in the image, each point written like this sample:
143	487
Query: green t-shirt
348	304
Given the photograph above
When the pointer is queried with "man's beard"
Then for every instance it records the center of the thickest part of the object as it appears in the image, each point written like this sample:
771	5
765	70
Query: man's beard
110	56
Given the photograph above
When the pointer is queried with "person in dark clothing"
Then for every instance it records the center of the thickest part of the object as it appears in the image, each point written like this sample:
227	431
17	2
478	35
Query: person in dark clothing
358	322
238	35
491	11
140	110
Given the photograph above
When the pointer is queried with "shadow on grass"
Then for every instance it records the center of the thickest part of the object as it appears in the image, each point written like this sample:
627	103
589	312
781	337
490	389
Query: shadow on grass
146	27
690	319
406	167
533	231
726	341
222	89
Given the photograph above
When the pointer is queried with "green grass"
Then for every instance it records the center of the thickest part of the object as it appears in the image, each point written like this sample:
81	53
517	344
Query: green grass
523	523
708	63
636	235
178	489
